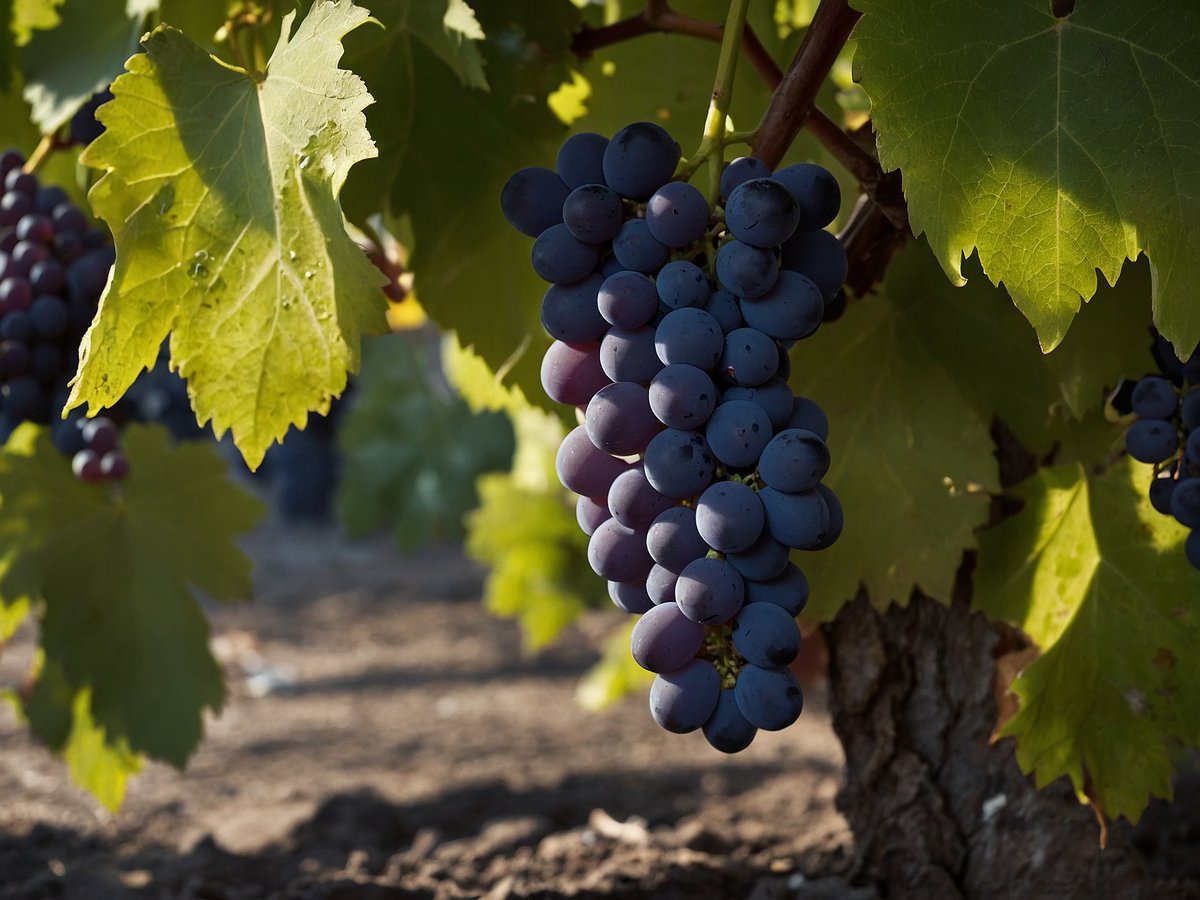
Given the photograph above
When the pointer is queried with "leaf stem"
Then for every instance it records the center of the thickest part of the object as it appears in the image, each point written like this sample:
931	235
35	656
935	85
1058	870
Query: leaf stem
712	144
47	145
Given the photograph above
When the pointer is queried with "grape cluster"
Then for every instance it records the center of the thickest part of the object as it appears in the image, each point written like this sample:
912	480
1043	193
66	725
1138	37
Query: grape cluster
53	268
697	469
94	448
1167	435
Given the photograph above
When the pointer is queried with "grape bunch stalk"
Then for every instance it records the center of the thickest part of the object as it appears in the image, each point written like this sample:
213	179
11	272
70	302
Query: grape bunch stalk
697	469
1166	434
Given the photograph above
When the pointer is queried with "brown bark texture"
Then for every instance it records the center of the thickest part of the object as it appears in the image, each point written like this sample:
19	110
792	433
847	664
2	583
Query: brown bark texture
937	810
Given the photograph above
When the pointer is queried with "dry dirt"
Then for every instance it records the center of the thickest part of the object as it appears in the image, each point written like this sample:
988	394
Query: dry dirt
386	738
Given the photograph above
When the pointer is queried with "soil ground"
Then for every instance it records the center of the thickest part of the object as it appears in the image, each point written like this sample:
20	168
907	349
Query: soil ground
385	738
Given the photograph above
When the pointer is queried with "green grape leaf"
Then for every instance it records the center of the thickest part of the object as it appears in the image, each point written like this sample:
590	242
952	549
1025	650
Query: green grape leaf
412	452
911	401
97	765
1098	580
1055	146
12	614
29	16
77	57
115	570
221	190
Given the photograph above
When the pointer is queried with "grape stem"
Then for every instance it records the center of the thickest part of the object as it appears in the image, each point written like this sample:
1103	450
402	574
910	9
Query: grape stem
47	145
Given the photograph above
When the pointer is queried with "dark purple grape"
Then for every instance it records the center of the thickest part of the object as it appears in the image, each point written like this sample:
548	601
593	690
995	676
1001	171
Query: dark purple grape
748	357
681	283
681	396
737	432
15	326
85	126
788	589
679	463
590	512
1155	398
808	415
770	699
665	640
639	160
35	227
48	199
619	553
790	311
1190	410
816	191
1151	440
571	373
47	362
1192	448
761	212
14	358
741	170
723	307
13	207
766	635
1185	503
619	419
745	270
580	159
637	249
727	729
18	182
660	584
10	159
677	214
114	466
763	560
633	501
1191	549
793	461
23	397
673	540
15	294
561	258
49	316
584	469
627	299
773	395
630	598
690	337
68	218
629	354
800	521
1161	491
593	213
570	314
836	521
683	700
86	466
100	434
709	591
820	257
729	516
532	200
47	277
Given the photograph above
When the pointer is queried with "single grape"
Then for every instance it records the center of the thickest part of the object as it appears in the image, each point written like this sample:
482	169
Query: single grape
765	635
49	198
1154	398
590	513
35	227
665	640
619	553
630	598
677	214
745	270
660	584
1185	502
748	357
790	311
570	314
737	432
793	461
637	249
580	159
627	299
114	466
14	360
761	212
1192	448
561	258
673	540
816	191
770	699
47	277
680	283
800	520
46	362
729	516
681	396
818	255
100	434
15	325
690	337
571	373
532	200
679	463
629	354
584	469
593	213
1191	549
773	395
763	560
86	466
23	397
683	700
633	501
836	520
808	415
742	170
639	160
727	729
709	591
1161	491
1190	411
619	419
723	307
1151	440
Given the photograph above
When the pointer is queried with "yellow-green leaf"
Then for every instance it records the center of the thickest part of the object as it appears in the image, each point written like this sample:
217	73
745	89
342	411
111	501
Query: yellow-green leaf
222	192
